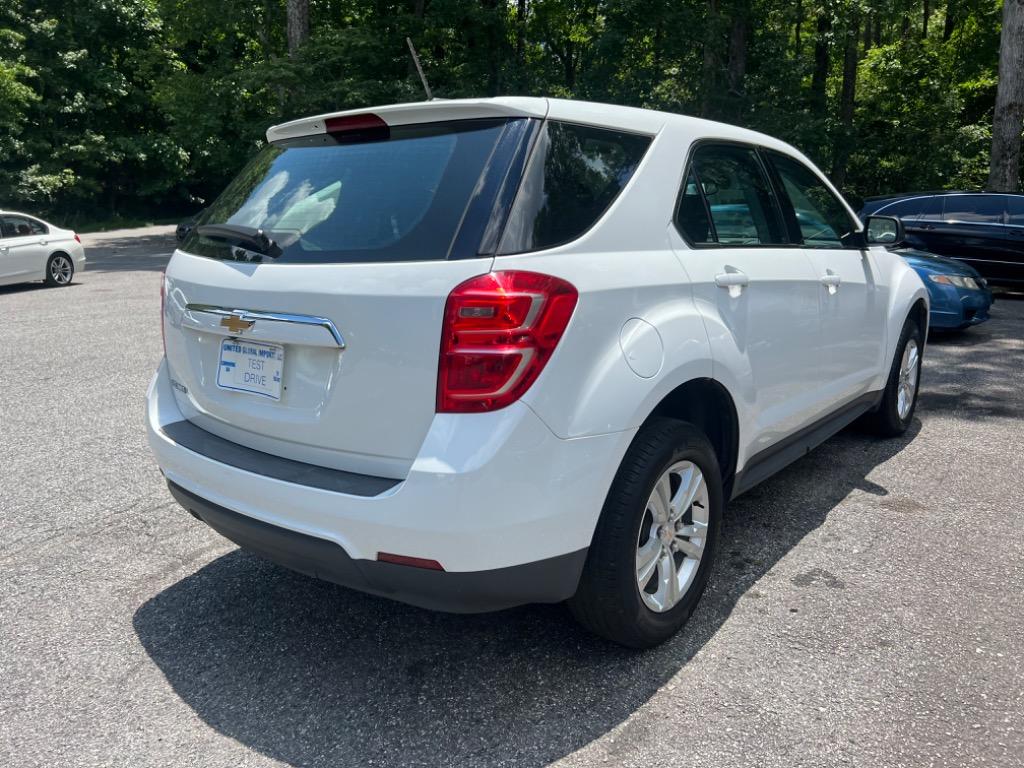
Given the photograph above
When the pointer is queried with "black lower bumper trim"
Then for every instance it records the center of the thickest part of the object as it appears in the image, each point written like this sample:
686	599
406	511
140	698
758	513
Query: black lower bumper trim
188	435
544	581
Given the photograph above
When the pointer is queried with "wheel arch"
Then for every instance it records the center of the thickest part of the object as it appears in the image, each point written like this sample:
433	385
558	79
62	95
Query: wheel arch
708	405
59	252
919	313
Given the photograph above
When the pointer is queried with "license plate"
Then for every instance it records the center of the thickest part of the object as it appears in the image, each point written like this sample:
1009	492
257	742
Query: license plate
251	366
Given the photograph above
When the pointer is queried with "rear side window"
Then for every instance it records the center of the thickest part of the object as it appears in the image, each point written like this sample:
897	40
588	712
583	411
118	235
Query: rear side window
692	215
821	217
1015	210
932	209
985	209
574	174
728	200
20	226
400	196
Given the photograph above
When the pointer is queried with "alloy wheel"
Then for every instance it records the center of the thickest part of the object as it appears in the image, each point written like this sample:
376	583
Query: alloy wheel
61	270
673	534
907	385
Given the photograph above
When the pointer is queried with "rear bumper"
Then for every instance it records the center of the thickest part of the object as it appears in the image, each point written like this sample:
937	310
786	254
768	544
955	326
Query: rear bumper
544	581
506	507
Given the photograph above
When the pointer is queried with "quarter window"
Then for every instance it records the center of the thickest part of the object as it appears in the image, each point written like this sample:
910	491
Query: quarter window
823	220
728	200
903	209
985	209
574	175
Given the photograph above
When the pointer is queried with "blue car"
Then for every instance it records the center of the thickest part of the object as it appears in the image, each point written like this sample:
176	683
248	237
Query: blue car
960	297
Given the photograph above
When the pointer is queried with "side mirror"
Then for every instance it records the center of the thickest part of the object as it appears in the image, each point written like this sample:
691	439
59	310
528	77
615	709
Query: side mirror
884	230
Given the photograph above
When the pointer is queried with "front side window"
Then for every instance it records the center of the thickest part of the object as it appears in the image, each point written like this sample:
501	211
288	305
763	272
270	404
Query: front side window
729	185
822	218
574	174
983	209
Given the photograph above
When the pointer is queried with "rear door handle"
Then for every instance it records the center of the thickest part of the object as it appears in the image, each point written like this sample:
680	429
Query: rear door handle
43	242
831	281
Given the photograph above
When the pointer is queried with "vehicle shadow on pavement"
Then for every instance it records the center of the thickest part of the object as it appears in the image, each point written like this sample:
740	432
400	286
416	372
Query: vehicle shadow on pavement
39	285
313	674
128	253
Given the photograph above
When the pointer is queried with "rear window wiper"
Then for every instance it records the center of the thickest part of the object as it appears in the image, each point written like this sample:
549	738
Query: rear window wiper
251	238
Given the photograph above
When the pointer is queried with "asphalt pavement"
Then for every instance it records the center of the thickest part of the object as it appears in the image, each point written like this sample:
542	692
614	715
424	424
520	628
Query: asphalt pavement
867	610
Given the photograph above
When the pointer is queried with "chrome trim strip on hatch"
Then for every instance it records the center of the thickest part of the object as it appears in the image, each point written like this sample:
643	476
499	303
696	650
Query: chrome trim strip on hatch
279	317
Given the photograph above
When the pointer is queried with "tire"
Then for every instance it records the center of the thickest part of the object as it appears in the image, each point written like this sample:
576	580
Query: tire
608	601
894	415
60	270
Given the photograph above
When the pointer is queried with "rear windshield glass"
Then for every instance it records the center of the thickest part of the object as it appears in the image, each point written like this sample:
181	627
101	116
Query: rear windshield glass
400	197
574	175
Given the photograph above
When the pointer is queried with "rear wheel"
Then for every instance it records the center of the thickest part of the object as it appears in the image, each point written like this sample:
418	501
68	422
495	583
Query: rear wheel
899	400
655	540
59	269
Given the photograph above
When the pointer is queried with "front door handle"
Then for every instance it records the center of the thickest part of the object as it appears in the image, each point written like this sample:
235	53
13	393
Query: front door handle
831	281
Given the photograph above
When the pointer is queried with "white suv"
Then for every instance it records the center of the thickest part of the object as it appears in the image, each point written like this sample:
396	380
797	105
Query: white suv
474	354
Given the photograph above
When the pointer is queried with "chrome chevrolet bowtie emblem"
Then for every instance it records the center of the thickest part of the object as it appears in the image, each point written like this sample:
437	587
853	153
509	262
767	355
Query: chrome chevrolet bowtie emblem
236	323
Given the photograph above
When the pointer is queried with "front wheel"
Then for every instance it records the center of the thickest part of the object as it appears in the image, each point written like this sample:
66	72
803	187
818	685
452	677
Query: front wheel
899	400
656	538
59	269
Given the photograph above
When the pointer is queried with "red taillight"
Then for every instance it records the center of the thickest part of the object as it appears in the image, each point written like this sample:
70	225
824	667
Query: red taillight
78	239
163	298
415	562
499	332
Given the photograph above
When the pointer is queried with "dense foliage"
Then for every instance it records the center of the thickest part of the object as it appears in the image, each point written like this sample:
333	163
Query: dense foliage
148	107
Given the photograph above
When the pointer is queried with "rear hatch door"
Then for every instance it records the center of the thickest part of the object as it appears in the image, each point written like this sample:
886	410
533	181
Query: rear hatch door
303	313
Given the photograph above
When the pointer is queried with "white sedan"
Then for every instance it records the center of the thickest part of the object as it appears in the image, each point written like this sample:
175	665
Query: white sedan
31	249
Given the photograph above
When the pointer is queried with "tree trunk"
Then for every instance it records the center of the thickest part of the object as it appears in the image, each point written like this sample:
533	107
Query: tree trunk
867	35
710	65
494	42
798	47
298	24
847	101
1008	120
952	19
924	18
737	68
819	78
521	35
